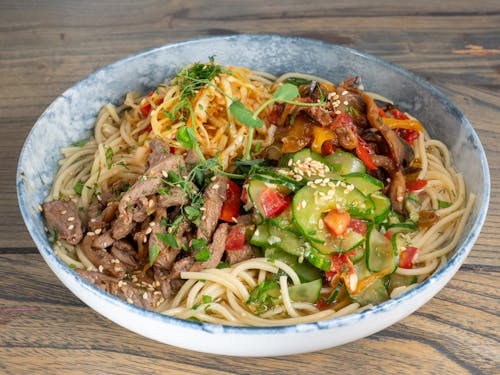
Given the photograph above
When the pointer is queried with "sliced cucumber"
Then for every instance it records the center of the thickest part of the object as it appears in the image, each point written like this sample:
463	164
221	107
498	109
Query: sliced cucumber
307	292
285	240
307	153
364	182
348	241
382	207
317	259
345	163
310	203
374	293
406	227
380	254
304	270
357	254
260	235
397	281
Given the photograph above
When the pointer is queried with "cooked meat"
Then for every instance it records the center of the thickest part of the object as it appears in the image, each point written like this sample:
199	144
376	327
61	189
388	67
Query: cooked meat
355	107
401	153
159	152
171	162
397	190
100	216
122	226
62	218
237	256
125	253
170	281
101	259
175	197
346	137
214	197
167	254
122	289
216	249
384	162
191	159
103	241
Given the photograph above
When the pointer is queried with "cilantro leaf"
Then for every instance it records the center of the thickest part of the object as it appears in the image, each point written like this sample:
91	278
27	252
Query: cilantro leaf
168	239
244	115
203	255
153	253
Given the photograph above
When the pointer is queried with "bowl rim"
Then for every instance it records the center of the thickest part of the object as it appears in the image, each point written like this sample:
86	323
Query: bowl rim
448	269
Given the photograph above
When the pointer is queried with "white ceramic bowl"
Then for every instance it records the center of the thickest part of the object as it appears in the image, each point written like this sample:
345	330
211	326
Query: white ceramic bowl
71	116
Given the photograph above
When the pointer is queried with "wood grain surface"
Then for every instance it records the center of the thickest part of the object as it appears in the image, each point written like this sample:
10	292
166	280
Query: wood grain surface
48	45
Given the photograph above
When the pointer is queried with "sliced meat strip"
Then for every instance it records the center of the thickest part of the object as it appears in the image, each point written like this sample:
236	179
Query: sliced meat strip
237	256
62	218
170	281
167	254
175	197
397	191
216	249
101	217
214	197
122	289
103	241
125	253
159	152
101	259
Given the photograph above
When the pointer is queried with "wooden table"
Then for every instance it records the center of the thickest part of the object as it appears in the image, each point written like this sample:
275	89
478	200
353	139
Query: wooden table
46	46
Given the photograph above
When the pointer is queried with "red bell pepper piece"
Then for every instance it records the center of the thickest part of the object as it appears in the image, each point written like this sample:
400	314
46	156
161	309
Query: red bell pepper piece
337	222
273	203
416	185
396	113
363	152
382	113
145	109
236	238
409	135
358	226
231	207
407	256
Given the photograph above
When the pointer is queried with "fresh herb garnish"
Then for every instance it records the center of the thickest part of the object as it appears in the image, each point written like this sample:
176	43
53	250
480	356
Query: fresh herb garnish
78	188
109	156
443	204
168	239
153	253
263	295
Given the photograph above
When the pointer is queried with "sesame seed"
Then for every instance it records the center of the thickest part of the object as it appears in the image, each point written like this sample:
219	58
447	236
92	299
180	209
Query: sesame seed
149	230
344	92
303	204
90	234
71	218
98	231
215	187
169	229
101	268
145	295
129	300
346	102
152	224
40	208
71	227
337	112
64	212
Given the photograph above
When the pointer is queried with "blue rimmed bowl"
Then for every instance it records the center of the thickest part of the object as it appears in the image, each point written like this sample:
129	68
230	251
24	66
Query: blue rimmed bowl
71	117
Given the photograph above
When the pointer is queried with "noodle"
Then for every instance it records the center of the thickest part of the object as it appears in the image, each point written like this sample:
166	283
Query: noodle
117	154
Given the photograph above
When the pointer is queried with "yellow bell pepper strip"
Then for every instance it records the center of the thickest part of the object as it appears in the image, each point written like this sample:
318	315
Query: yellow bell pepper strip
321	134
409	124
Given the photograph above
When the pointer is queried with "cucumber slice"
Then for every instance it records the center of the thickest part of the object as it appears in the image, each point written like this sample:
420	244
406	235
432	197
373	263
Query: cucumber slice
364	182
374	293
317	259
307	153
304	270
285	221
358	254
285	240
345	162
347	242
380	254
397	281
406	227
307	292
260	235
382	207
254	190
318	200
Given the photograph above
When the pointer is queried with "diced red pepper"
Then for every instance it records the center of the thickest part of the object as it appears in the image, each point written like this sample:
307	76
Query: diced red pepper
337	221
273	203
416	185
396	113
231	207
236	238
388	235
363	152
340	264
407	256
409	135
358	226
382	113
145	109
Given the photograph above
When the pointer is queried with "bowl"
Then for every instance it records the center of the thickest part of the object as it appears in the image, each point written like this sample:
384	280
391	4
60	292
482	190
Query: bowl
71	116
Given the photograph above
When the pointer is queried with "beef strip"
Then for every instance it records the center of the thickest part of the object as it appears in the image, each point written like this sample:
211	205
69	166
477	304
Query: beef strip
125	253
159	152
175	197
214	197
167	254
122	289
99	216
100	257
170	281
237	256
62	218
216	249
103	241
397	191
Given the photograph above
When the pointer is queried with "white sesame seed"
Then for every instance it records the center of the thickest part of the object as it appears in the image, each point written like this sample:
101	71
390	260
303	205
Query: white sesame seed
303	204
71	227
344	92
129	300
40	208
71	218
64	212
98	231
145	295
101	268
90	234
149	230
